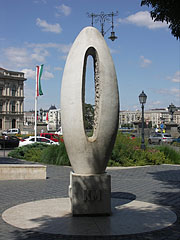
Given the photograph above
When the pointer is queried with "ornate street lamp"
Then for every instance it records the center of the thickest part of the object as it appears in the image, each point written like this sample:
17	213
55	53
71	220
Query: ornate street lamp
171	109
102	18
41	115
142	100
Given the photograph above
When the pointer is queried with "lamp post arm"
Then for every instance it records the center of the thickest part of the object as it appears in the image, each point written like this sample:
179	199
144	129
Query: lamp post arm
102	18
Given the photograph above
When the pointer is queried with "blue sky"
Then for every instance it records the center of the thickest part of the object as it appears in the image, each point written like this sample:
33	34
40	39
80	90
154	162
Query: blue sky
146	55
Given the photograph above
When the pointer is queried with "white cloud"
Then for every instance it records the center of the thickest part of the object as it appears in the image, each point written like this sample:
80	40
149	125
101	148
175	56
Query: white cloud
58	68
175	92
46	27
144	62
143	19
63	9
29	73
31	54
17	56
60	47
176	77
47	75
39	54
24	57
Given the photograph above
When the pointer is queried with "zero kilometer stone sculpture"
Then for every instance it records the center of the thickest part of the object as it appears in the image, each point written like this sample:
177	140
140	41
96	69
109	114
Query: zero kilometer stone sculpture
90	186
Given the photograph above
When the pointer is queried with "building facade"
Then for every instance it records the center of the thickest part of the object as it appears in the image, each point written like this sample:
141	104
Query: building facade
155	116
11	99
51	117
54	119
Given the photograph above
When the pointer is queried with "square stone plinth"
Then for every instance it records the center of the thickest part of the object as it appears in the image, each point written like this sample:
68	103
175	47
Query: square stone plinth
22	171
90	194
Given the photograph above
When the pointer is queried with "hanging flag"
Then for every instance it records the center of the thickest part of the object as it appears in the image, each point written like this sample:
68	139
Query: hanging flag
47	117
39	70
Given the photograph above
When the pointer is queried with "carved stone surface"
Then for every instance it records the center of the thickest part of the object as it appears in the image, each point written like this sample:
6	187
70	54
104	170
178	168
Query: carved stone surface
90	194
89	155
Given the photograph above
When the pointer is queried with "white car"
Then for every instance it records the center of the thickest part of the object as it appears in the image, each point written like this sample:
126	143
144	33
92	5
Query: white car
31	139
59	131
11	131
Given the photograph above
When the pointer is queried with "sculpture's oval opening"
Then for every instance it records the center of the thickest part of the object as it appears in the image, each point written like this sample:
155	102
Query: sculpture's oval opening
89	97
90	93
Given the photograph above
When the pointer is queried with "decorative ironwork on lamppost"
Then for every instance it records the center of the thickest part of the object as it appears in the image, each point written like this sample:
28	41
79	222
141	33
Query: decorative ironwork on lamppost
102	18
171	109
142	100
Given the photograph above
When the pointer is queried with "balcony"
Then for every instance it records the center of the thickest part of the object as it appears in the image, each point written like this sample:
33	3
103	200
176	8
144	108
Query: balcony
11	113
11	97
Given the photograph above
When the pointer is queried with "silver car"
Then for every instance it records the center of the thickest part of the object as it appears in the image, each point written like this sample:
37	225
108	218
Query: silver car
160	138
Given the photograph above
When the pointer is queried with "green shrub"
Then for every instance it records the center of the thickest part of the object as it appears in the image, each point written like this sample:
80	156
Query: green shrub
55	154
127	152
62	158
176	144
172	155
30	152
37	152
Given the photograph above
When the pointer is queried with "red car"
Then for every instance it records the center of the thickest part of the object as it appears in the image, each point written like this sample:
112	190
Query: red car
52	136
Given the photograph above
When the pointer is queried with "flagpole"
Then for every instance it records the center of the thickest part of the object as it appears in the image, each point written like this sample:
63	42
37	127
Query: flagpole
39	70
35	122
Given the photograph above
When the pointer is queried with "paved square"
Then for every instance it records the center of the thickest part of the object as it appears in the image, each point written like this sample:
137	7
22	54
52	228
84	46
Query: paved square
153	184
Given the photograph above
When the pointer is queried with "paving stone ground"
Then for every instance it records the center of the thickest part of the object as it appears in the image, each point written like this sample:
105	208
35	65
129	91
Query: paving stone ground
153	184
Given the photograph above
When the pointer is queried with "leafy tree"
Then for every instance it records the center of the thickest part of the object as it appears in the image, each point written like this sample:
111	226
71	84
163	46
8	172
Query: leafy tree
166	10
150	124
88	116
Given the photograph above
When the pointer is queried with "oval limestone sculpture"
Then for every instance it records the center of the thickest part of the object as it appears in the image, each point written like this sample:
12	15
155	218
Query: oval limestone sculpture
89	155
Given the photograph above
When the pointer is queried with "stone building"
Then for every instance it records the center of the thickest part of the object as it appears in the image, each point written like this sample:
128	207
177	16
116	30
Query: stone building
11	99
54	119
155	116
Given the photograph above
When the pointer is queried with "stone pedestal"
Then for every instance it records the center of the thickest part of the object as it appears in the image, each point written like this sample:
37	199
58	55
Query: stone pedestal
90	194
171	128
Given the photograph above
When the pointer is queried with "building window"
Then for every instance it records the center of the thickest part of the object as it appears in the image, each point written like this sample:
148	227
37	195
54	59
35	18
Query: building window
1	90
0	123
13	90
13	123
13	107
1	106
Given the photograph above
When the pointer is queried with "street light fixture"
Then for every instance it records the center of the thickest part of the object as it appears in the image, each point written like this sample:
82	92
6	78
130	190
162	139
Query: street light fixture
171	109
142	100
102	18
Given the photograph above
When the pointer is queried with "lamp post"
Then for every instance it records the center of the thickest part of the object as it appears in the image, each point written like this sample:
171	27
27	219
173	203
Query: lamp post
41	115
102	18
142	100
171	109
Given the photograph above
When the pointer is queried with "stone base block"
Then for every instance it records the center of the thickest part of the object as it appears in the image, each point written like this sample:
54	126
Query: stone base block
22	171
90	194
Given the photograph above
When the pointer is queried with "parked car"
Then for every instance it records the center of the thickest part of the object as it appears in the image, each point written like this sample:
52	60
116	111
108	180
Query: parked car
176	140
11	131
9	142
59	131
31	139
159	138
52	136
